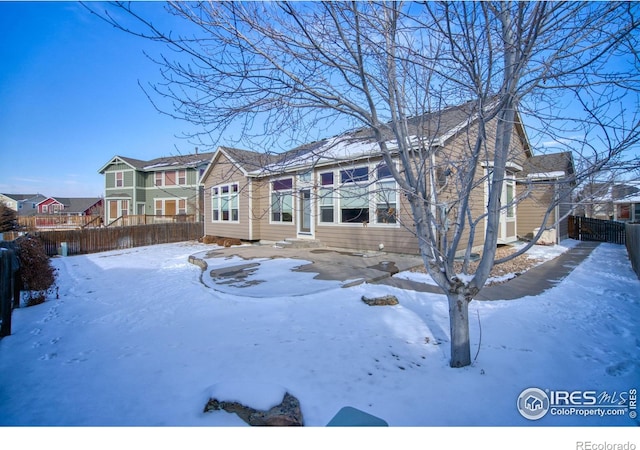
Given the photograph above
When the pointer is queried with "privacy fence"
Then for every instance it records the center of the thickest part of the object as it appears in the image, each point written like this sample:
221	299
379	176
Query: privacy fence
587	229
633	246
93	240
9	285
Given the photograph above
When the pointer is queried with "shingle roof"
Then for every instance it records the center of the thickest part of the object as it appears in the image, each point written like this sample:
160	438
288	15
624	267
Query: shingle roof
77	204
250	160
19	197
436	126
546	164
164	162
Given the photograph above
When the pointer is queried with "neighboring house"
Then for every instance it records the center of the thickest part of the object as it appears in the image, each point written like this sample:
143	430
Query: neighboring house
23	204
543	181
626	202
66	206
340	192
165	186
611	201
594	201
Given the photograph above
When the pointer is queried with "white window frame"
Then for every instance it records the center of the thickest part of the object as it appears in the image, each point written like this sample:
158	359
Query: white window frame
327	191
281	194
225	195
374	183
160	178
115	179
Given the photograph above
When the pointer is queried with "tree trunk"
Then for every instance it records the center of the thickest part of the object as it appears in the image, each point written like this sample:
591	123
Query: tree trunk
459	327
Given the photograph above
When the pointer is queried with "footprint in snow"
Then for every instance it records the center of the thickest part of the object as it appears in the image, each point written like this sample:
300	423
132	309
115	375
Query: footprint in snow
621	369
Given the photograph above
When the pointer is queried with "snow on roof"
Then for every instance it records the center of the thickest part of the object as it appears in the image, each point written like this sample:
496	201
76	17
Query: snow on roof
329	151
546	175
635	198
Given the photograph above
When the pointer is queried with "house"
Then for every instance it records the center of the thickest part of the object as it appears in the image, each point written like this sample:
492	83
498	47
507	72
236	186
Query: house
340	192
66	206
545	180
594	201
23	204
626	202
166	186
619	201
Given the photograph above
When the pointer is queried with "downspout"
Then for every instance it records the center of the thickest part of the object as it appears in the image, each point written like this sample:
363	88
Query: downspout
432	203
250	185
556	197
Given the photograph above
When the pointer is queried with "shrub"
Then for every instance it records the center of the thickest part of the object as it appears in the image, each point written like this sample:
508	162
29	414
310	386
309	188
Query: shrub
231	241
36	272
8	218
209	239
221	241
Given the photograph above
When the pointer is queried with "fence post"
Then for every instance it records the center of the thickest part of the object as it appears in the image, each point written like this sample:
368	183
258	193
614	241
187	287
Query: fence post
6	276
633	246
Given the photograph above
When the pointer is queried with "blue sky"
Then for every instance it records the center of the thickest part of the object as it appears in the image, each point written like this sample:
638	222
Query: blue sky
71	100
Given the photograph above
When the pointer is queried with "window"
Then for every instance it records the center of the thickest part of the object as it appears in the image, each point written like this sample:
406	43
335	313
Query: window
182	206
158	178
306	176
119	179
624	212
282	200
509	189
386	201
636	213
354	195
170	178
182	177
383	171
224	203
326	197
508	193
159	210
354	175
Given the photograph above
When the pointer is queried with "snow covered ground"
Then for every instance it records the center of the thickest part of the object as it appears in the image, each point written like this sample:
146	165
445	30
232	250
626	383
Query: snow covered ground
135	339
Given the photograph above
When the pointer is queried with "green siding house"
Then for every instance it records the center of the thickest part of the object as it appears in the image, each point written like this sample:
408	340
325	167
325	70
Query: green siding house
166	186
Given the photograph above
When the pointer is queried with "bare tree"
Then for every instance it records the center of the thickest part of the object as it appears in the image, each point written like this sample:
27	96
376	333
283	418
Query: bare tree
297	68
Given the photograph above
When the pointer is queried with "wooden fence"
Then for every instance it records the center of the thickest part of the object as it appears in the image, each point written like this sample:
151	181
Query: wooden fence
93	240
633	246
587	229
146	219
57	222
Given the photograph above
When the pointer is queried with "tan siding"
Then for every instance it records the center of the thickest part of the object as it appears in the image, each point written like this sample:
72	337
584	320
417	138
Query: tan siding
225	172
255	207
458	149
532	209
395	240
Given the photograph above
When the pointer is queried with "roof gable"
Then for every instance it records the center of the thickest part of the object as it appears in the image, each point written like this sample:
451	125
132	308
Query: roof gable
163	163
73	204
548	166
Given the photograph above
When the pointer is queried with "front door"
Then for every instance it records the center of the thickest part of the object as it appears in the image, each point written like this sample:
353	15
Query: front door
169	207
113	210
304	224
